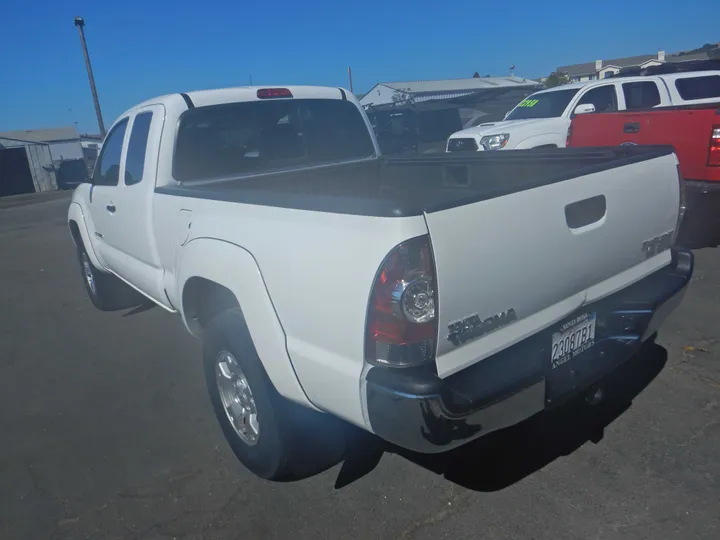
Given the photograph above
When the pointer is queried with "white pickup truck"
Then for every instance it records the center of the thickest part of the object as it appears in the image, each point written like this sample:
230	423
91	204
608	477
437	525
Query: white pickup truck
543	118
428	300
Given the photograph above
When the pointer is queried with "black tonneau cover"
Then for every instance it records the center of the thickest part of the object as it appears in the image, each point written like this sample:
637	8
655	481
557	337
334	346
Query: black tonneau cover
400	187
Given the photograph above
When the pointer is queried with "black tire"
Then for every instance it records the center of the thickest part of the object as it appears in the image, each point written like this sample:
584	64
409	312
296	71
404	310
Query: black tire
106	292
292	442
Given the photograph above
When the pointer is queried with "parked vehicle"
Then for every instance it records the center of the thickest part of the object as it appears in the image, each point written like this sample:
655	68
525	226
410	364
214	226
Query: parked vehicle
428	300
542	119
693	131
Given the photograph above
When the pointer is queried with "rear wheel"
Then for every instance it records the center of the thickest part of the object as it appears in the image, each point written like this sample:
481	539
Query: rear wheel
273	438
106	291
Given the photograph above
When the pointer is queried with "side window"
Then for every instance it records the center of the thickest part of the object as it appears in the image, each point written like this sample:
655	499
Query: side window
603	97
107	168
641	95
705	87
135	159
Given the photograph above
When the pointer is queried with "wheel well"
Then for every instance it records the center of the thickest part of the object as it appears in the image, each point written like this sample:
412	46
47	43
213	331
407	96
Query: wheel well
202	299
75	232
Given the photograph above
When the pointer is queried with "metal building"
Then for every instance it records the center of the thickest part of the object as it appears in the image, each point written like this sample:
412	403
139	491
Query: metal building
25	167
418	116
387	93
64	142
36	159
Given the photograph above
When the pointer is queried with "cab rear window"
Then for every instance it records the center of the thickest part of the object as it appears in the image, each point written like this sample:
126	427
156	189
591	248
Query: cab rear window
239	138
705	87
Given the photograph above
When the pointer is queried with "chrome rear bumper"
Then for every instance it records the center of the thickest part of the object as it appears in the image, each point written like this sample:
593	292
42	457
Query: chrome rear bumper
417	410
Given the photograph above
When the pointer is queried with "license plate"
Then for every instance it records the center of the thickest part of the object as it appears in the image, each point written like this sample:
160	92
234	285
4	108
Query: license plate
575	336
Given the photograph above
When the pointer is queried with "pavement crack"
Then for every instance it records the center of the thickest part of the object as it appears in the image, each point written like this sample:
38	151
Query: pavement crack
451	507
699	433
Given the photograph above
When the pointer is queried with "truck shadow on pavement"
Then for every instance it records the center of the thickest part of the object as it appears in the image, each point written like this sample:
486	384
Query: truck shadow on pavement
146	305
503	458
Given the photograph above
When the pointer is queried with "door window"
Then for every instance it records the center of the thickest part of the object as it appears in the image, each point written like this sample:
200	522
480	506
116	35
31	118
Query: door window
135	159
641	95
107	168
604	98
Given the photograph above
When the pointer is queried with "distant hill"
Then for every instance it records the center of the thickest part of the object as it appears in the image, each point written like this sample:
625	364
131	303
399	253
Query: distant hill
707	48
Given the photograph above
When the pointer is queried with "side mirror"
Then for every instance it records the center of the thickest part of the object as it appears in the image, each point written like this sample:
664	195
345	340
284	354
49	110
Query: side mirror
585	108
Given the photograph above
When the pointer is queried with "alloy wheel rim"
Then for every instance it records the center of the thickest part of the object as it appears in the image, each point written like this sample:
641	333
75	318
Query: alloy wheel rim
89	278
237	398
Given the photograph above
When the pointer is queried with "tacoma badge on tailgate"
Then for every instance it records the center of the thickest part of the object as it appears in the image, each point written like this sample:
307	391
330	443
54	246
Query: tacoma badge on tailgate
658	244
473	326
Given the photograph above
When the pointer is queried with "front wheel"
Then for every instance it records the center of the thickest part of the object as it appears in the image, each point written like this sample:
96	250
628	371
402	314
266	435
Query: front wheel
106	292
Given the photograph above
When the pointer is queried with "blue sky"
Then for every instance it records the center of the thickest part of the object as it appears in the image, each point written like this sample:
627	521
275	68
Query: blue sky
140	49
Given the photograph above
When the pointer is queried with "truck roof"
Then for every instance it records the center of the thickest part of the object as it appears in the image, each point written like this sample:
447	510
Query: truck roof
633	78
218	96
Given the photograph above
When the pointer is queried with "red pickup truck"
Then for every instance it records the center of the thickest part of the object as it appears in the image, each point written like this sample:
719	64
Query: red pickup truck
694	132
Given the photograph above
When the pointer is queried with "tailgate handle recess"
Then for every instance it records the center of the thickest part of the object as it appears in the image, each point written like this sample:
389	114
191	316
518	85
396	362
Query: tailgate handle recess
585	212
631	127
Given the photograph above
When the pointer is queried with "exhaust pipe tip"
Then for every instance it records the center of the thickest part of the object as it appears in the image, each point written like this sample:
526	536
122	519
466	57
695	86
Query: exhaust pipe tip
595	396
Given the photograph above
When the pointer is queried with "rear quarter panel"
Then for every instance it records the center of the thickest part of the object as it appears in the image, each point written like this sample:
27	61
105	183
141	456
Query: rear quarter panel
317	268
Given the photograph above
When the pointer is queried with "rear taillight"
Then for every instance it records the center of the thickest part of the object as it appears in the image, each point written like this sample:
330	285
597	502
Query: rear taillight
714	148
270	93
402	314
568	137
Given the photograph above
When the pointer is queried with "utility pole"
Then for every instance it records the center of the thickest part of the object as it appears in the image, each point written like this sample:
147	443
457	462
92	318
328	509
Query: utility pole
80	23
350	78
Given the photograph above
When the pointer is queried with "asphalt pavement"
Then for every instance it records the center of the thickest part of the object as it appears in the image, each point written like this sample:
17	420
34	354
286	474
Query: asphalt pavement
106	432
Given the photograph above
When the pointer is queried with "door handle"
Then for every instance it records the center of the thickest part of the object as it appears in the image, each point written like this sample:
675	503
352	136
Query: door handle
631	127
111	208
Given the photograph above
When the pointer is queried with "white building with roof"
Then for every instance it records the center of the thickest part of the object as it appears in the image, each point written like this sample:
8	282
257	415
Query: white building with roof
418	116
29	158
387	93
600	69
63	142
25	167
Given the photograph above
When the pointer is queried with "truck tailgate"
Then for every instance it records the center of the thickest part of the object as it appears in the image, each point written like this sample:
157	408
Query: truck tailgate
512	265
687	128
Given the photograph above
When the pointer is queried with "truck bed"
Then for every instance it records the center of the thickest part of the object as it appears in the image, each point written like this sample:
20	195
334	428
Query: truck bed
401	187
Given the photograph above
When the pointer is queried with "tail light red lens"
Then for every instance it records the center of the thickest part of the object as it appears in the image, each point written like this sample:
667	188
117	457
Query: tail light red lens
568	137
714	148
402	315
270	93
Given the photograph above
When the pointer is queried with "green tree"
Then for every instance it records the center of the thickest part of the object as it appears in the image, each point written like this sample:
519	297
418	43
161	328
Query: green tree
557	79
403	96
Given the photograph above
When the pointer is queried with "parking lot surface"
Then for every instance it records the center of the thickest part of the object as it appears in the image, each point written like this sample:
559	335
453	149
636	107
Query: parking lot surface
107	432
